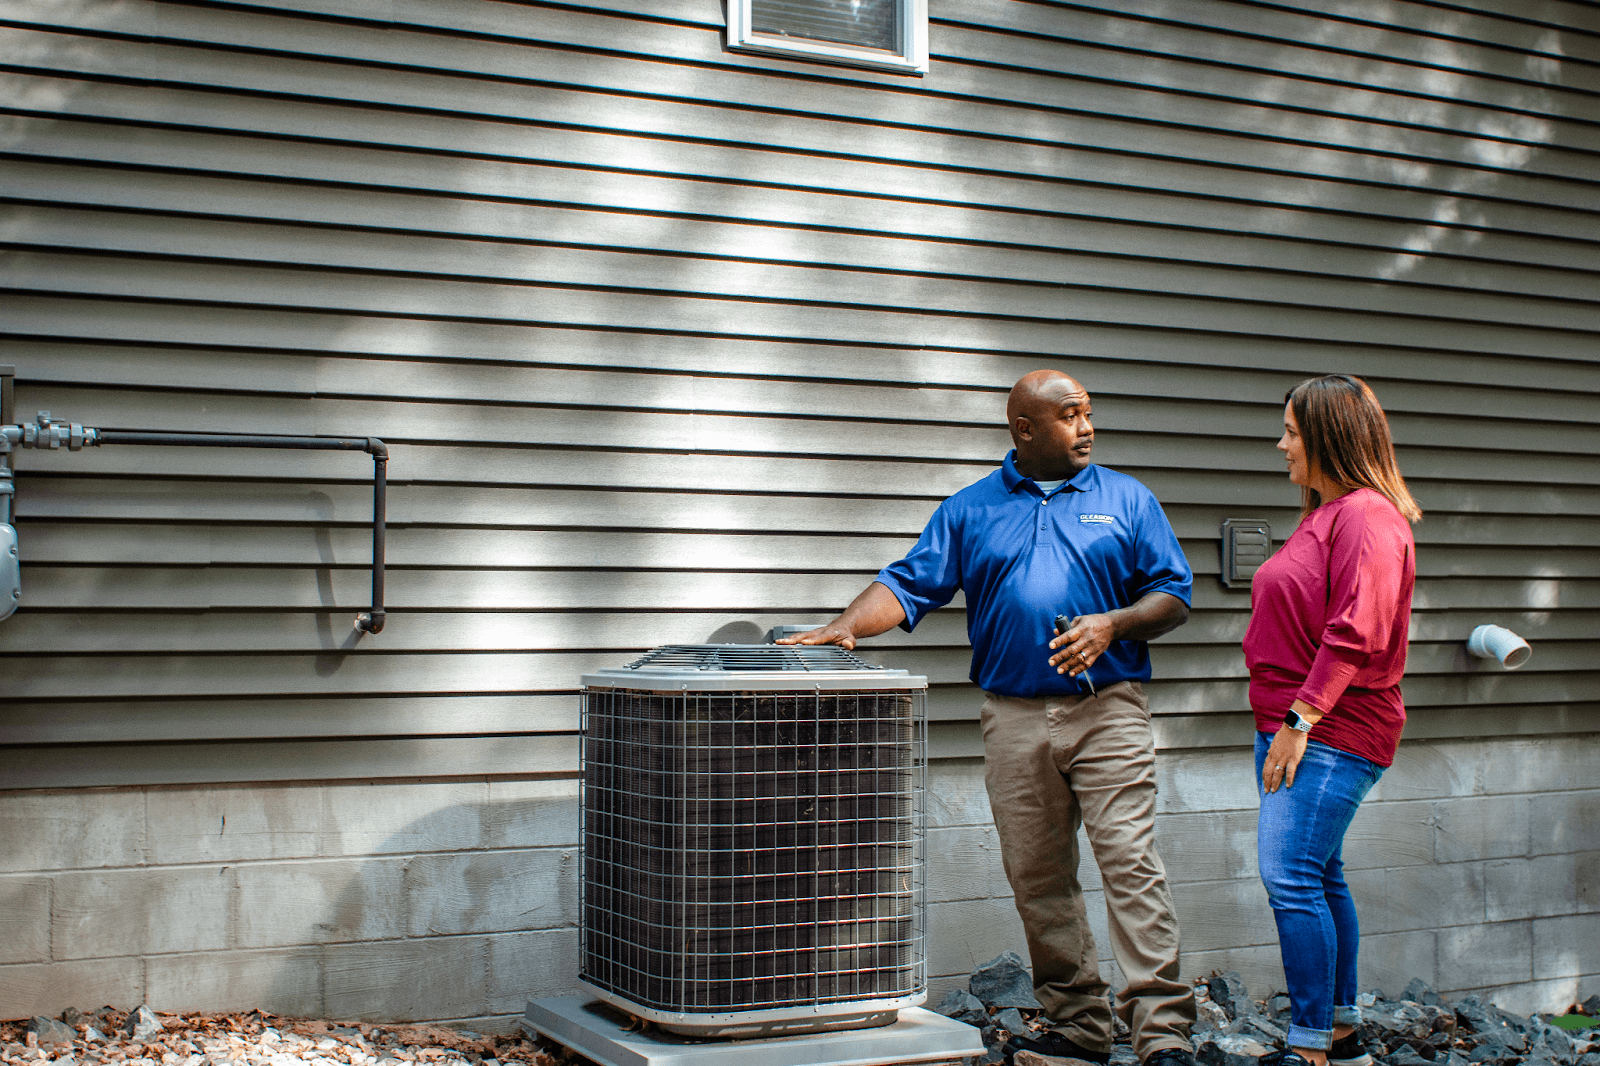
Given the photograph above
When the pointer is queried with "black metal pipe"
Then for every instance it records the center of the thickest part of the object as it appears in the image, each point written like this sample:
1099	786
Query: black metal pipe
372	621
367	621
235	440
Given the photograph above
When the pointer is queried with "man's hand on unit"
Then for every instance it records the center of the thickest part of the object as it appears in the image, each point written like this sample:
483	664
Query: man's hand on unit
876	610
832	633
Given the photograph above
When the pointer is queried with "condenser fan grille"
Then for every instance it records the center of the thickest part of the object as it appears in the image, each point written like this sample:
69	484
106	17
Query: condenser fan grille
749	657
752	850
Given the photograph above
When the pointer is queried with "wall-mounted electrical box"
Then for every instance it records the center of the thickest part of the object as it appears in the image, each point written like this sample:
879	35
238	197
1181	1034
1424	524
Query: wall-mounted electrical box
1246	543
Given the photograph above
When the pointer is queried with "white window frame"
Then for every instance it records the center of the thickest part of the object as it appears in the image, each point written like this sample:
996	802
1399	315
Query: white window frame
913	32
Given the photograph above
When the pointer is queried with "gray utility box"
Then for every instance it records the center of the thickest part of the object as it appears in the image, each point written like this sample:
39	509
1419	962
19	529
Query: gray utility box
752	839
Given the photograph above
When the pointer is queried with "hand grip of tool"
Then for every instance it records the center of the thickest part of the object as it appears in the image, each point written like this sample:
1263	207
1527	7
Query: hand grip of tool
1063	623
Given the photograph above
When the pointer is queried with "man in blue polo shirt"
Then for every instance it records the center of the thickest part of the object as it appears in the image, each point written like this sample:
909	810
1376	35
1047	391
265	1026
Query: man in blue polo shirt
1066	729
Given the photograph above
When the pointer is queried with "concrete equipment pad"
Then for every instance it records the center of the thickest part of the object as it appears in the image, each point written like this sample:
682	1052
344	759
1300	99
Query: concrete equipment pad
598	1030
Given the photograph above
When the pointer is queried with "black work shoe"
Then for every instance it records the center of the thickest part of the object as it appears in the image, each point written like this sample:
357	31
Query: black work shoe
1348	1051
1051	1042
1288	1057
1170	1056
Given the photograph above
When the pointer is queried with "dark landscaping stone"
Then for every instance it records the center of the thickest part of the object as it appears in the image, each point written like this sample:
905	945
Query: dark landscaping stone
1228	991
1257	1027
1278	1007
1406	1055
1417	1019
1504	1037
1482	1017
50	1031
142	1024
74	1017
1552	1040
1122	1055
1209	1018
1387	1018
963	1007
1591	1006
1228	1049
1418	991
1498	1045
1003	982
1011	1021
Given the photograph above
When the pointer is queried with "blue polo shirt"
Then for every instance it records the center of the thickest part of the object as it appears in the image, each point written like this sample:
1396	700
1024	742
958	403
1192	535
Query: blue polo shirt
1097	543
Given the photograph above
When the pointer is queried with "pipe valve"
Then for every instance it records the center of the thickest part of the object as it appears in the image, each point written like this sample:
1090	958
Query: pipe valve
48	434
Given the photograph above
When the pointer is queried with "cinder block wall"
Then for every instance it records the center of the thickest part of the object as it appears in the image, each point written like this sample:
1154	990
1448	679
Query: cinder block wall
1473	862
1475	865
417	900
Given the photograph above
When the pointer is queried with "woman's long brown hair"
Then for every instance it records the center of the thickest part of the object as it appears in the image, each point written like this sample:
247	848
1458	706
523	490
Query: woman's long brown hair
1346	436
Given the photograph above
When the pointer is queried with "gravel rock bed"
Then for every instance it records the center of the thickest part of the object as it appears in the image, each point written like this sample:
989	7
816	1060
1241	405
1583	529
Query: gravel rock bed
1420	1028
144	1038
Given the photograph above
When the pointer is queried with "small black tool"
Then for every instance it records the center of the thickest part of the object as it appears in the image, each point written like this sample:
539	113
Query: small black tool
1063	623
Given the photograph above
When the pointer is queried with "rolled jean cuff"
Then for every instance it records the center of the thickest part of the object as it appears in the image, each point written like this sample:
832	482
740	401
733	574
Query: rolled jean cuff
1350	1016
1315	1039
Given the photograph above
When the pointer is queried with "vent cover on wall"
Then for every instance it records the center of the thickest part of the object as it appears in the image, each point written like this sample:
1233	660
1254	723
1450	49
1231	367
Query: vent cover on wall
752	839
1246	543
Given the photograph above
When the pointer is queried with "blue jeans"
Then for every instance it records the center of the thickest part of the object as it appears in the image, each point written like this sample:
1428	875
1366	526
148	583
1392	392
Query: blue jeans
1298	841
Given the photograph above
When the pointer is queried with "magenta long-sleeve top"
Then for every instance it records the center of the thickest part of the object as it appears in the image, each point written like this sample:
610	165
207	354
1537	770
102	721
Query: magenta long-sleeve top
1329	617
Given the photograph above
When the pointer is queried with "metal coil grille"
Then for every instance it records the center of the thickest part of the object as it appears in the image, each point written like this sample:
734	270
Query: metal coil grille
717	657
747	851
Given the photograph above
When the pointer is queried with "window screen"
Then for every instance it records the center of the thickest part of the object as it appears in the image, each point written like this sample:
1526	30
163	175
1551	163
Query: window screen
863	23
887	35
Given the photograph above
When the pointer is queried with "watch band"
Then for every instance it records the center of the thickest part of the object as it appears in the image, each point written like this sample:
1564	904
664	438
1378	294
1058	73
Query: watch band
1294	721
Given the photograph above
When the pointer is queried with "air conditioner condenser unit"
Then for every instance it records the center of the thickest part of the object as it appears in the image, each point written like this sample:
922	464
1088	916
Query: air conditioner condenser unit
752	839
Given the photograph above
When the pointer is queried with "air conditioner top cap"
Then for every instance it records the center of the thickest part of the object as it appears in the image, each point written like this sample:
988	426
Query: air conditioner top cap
788	667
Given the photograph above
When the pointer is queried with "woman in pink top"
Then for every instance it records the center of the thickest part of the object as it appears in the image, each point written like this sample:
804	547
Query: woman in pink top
1326	649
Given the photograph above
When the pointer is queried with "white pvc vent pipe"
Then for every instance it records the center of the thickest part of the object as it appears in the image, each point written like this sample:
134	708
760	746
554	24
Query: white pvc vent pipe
1498	642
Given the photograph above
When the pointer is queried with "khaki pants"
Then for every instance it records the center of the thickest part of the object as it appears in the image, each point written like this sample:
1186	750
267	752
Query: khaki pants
1049	765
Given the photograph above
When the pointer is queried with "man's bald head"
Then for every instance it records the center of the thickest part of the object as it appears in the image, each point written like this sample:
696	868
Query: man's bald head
1037	391
1048	415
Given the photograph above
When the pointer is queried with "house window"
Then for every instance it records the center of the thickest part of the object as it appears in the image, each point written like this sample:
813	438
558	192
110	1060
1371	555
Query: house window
887	34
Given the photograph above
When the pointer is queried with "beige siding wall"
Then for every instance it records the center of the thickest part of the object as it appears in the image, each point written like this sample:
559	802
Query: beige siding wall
672	344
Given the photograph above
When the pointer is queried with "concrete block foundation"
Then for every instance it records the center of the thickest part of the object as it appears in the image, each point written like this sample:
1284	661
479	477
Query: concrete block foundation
441	900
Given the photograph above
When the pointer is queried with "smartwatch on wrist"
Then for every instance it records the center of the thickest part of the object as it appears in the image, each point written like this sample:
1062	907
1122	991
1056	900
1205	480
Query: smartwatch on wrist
1294	721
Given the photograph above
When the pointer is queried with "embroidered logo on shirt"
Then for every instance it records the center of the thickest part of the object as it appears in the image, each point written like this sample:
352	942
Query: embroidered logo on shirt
1096	519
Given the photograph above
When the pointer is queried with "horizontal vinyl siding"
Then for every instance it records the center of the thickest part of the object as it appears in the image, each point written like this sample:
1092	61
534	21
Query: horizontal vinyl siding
671	344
